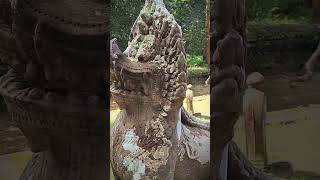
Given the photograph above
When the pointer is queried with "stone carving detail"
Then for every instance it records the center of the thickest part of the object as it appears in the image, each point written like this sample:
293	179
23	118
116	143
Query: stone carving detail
54	85
189	99
310	66
228	43
227	76
154	137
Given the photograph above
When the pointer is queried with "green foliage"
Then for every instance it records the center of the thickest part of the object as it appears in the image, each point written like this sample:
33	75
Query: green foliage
190	14
278	9
198	72
195	61
123	15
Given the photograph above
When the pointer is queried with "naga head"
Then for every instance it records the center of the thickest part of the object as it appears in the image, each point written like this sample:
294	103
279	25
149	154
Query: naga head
152	70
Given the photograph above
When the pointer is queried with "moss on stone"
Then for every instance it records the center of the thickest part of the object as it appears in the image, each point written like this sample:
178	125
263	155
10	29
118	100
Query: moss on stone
147	12
147	41
149	9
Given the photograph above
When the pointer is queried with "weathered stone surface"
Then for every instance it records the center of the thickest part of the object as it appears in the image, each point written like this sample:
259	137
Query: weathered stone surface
254	114
281	169
53	86
228	43
11	138
227	80
154	137
239	167
255	78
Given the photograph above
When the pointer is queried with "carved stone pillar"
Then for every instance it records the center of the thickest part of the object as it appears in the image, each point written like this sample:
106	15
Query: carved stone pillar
55	86
227	77
228	45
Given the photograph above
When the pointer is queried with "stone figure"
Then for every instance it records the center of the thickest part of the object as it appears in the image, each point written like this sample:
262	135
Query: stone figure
189	99
153	136
254	114
227	82
53	80
227	77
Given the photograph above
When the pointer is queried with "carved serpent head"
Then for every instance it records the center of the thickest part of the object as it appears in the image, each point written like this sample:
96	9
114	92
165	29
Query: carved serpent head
153	67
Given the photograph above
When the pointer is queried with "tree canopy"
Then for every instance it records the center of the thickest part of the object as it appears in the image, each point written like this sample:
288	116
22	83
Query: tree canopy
190	14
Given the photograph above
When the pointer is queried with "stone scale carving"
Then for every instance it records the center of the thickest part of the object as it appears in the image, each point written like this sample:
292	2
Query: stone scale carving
53	82
228	43
153	136
227	77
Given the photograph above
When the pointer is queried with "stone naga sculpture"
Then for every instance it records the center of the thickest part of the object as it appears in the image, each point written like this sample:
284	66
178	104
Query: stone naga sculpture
153	136
53	64
227	76
228	43
309	66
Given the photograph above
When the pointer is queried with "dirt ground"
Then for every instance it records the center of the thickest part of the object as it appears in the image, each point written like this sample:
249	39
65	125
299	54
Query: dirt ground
293	124
281	94
292	136
200	89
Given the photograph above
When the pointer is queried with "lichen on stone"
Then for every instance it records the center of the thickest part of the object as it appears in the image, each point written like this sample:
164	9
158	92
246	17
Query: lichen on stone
157	39
145	46
196	145
134	165
130	142
147	11
140	159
